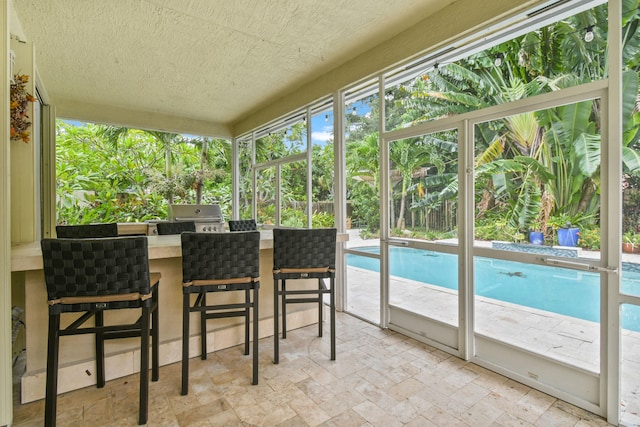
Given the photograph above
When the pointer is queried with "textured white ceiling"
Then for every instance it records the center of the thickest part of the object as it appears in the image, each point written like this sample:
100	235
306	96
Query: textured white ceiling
209	60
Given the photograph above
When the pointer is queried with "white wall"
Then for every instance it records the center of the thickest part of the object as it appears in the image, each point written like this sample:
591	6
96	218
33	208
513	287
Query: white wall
6	401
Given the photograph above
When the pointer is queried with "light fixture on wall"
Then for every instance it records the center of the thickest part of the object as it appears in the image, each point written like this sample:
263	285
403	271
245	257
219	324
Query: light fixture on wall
588	35
354	112
498	60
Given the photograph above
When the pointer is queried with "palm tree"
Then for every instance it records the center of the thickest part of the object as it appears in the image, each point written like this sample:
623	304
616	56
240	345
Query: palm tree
168	140
409	160
363	179
552	157
210	166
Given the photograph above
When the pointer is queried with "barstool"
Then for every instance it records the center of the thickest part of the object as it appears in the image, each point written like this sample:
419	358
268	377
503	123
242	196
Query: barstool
90	231
304	254
87	231
219	262
242	225
90	276
177	227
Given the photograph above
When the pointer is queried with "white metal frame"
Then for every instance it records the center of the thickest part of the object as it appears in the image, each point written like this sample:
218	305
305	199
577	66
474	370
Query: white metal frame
340	193
612	156
278	165
6	401
607	265
609	91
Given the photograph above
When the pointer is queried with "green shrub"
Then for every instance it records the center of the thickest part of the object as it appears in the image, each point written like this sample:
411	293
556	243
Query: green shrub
590	239
322	220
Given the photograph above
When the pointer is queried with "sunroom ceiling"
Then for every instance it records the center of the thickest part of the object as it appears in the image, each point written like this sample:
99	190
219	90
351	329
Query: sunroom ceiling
213	61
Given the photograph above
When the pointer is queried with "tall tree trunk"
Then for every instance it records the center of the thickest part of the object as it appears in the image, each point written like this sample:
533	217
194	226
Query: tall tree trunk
167	167
203	165
426	219
413	212
403	196
588	190
400	221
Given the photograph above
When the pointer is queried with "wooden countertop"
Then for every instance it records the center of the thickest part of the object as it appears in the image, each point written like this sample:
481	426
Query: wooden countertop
28	256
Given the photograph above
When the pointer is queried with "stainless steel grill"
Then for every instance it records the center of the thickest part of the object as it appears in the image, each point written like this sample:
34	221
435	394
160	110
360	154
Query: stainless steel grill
208	218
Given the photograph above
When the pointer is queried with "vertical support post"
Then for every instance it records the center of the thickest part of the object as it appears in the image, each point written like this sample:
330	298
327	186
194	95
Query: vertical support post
340	191
6	399
309	170
235	179
611	218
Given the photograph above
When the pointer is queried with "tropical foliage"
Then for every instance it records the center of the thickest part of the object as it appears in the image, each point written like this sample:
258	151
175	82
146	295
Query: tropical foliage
108	174
532	167
532	170
279	146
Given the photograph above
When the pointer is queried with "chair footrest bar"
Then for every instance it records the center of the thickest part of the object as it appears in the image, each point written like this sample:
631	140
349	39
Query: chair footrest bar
107	331
302	300
304	292
221	307
225	314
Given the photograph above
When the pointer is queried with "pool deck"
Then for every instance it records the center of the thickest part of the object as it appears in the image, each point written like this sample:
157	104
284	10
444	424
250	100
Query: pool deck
560	337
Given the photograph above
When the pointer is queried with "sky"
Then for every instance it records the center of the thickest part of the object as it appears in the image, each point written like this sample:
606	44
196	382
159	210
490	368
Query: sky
322	128
321	124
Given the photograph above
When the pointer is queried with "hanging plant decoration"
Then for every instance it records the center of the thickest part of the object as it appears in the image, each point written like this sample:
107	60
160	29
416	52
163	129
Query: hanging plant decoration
20	100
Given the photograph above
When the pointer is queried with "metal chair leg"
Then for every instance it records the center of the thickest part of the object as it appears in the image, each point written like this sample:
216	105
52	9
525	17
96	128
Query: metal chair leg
155	336
185	344
144	366
284	308
247	319
202	297
332	302
276	333
320	307
99	322
256	338
52	371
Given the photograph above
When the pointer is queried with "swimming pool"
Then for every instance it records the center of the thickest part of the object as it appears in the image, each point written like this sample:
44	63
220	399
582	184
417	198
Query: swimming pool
558	290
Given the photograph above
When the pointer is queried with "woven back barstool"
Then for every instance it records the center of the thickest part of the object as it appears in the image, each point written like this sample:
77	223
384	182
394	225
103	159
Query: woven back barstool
304	254
90	276
91	231
177	227
219	262
243	225
87	231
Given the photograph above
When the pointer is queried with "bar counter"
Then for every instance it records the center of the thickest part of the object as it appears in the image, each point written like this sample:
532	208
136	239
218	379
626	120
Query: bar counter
77	353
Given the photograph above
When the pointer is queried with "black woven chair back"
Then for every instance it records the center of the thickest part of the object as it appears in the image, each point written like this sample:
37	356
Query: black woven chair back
92	275
177	227
243	225
95	267
303	254
236	255
87	231
304	248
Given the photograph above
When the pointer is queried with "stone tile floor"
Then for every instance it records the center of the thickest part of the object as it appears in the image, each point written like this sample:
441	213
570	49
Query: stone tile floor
380	378
563	338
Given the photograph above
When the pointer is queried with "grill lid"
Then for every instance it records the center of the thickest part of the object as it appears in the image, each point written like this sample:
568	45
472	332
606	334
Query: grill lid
195	212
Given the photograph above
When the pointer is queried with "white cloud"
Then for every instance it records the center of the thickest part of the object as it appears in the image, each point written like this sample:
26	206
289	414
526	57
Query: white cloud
322	137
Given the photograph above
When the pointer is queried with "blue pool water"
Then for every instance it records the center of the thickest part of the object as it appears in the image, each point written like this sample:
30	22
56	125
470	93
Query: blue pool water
558	290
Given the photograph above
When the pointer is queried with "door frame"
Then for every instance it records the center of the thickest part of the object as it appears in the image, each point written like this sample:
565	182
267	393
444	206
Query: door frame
597	399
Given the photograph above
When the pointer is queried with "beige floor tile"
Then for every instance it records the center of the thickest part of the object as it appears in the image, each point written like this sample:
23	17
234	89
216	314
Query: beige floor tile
380	378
